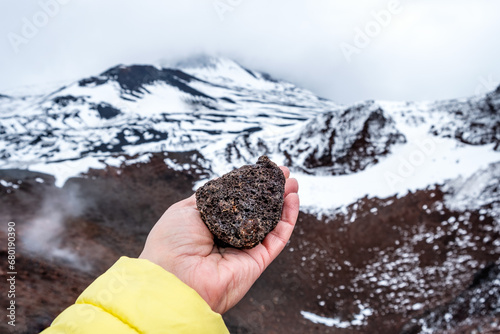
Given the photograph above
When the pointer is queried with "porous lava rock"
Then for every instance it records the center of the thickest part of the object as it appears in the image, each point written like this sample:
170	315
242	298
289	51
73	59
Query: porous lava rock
243	206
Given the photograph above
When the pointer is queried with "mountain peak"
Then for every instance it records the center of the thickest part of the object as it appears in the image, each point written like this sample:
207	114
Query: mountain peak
205	66
202	61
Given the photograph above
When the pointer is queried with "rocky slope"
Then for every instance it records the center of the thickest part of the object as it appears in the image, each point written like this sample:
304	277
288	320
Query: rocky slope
399	264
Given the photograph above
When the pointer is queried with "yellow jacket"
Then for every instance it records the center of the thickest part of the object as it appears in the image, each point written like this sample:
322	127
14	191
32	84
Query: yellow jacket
137	296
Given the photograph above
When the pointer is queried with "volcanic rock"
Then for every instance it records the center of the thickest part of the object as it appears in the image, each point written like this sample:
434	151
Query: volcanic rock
243	206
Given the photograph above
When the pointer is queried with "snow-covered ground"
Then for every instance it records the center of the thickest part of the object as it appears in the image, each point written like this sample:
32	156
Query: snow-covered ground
416	165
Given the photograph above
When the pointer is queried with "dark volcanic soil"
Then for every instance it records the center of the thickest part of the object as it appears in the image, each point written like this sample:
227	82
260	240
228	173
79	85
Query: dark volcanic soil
386	265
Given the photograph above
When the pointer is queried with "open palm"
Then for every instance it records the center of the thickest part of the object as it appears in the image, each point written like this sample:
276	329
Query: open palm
182	244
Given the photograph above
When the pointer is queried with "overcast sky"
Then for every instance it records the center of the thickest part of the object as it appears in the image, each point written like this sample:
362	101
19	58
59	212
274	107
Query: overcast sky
343	50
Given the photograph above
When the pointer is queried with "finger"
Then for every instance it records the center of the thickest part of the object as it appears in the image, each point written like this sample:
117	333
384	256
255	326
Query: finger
291	186
276	240
286	171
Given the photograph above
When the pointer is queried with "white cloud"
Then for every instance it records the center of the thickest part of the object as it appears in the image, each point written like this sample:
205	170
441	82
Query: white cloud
432	49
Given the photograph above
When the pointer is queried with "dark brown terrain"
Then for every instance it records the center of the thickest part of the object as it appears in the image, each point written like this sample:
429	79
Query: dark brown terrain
400	264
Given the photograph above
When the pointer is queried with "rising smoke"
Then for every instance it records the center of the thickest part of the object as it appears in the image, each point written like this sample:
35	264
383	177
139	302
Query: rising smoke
44	234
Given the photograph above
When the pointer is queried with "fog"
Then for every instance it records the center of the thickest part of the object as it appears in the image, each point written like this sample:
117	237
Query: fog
345	51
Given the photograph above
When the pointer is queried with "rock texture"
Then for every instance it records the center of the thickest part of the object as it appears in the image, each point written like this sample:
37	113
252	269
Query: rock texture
243	206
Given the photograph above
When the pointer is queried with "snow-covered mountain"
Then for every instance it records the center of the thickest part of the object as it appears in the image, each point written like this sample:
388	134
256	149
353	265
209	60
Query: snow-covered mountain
231	115
140	109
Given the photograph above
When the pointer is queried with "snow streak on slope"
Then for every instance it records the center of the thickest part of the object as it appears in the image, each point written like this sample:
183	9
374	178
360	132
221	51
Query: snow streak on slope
359	319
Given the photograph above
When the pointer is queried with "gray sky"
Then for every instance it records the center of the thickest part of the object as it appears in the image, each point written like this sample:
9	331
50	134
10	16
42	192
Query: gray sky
343	50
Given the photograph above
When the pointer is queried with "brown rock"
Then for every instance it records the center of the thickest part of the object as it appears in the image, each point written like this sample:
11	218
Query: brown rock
243	206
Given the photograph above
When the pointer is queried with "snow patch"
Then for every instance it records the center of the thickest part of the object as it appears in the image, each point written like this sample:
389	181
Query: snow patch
359	318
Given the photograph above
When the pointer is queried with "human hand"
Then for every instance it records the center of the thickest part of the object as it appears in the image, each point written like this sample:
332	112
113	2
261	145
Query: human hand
182	244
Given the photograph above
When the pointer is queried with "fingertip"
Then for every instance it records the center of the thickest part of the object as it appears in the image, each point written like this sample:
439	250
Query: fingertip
285	171
291	186
190	201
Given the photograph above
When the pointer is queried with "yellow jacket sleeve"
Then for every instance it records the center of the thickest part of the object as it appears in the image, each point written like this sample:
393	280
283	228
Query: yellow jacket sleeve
137	296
